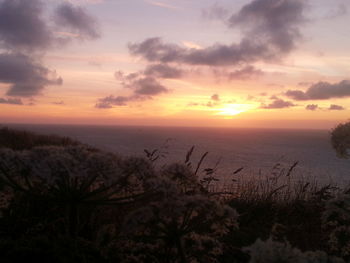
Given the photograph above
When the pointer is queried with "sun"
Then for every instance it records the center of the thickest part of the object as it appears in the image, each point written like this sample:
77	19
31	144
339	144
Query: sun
232	109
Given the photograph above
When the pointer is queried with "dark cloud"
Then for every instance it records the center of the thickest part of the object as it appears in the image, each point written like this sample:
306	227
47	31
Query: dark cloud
297	95
273	22
154	71
215	97
247	72
336	107
77	20
144	88
270	31
121	76
322	91
26	32
163	71
11	101
278	104
25	76
311	107
110	101
22	25
147	86
155	50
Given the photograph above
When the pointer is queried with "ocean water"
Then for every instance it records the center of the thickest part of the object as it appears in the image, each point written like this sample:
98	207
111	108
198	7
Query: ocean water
256	150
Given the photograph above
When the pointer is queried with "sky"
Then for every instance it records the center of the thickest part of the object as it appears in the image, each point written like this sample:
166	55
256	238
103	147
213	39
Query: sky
224	63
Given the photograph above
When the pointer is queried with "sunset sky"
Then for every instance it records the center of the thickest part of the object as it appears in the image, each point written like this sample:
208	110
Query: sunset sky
232	63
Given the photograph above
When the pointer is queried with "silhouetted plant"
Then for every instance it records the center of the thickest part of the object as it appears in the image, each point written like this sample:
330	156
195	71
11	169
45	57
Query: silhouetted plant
71	178
21	140
340	139
180	226
336	219
74	203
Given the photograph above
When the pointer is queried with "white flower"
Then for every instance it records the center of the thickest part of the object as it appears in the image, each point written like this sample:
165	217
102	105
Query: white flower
270	251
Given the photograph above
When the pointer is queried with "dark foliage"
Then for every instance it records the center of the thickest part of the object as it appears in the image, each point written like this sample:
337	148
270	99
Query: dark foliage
24	140
71	203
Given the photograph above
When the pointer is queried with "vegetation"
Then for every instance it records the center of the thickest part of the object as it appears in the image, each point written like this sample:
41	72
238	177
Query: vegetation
340	138
23	140
67	202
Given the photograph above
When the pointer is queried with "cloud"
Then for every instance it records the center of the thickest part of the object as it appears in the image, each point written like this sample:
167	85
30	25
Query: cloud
155	50
110	101
22	26
11	101
274	22
144	88
161	4
163	71
271	30
26	33
322	91
25	76
278	104
215	97
77	20
148	86
214	101
247	72
336	107
311	107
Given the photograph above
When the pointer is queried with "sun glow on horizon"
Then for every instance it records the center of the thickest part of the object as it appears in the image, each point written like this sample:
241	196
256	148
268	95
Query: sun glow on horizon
233	109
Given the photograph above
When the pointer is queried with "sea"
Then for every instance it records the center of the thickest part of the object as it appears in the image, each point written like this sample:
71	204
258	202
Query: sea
257	151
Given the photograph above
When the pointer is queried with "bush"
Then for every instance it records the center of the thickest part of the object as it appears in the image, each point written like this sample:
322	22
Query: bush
22	140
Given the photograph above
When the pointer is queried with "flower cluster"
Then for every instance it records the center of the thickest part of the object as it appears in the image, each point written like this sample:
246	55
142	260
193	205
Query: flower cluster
336	219
183	223
271	251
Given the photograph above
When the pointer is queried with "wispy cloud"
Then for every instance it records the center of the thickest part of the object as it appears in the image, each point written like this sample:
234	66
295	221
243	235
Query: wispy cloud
190	44
163	5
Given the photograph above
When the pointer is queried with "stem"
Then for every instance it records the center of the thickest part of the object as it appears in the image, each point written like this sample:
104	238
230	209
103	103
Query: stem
73	219
180	250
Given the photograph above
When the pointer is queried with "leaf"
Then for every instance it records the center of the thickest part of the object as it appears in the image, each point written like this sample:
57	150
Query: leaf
188	155
148	154
200	162
291	168
238	170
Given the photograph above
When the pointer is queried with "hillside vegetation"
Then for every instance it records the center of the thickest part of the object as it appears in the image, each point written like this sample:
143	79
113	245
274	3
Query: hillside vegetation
63	201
